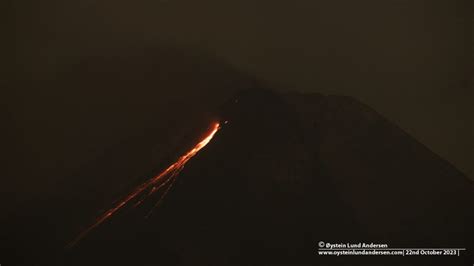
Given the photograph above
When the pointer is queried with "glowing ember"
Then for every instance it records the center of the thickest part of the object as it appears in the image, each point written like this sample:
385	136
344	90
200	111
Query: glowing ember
154	184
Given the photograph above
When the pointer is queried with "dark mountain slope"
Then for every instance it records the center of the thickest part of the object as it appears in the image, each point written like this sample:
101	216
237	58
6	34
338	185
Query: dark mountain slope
285	172
395	184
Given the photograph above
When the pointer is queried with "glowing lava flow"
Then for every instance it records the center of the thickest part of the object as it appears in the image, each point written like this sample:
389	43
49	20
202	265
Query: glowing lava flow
154	184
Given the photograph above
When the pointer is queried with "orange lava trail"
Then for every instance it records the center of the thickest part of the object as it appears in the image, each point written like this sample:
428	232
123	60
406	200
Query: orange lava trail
169	174
173	179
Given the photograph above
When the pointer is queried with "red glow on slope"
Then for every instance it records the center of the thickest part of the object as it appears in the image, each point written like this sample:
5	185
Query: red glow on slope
154	184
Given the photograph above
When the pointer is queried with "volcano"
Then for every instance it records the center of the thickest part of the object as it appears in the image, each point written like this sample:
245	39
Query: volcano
284	172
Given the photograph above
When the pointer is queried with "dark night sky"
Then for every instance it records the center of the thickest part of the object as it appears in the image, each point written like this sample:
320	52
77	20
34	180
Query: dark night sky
408	59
